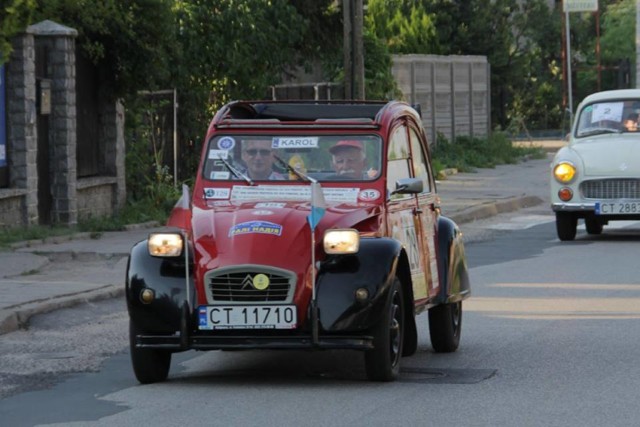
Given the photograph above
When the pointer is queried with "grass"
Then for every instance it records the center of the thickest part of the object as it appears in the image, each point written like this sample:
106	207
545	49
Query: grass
468	153
133	213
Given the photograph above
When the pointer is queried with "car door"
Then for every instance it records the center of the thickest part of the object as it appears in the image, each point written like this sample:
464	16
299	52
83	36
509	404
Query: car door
427	203
404	217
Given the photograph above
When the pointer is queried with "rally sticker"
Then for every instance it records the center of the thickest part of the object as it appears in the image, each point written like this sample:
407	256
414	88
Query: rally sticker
256	227
218	154
216	193
270	205
292	192
295	142
369	195
226	143
220	175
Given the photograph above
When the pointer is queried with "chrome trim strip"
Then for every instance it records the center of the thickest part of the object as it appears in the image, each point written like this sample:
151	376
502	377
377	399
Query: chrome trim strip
564	207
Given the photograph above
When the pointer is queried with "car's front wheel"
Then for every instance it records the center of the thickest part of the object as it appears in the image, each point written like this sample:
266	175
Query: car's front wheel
593	225
382	363
149	366
566	225
445	326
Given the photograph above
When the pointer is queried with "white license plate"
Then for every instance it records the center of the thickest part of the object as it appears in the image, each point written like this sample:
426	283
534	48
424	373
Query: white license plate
617	208
247	317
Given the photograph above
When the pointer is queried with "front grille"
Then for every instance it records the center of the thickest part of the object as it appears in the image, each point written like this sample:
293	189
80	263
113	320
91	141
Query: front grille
603	189
235	286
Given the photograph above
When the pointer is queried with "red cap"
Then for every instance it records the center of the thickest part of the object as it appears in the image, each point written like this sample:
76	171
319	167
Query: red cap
344	144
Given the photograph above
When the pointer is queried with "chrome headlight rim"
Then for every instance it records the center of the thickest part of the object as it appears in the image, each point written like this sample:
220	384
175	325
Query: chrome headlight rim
561	164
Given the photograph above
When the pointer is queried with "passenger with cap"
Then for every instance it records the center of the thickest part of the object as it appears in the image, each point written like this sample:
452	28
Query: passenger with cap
349	159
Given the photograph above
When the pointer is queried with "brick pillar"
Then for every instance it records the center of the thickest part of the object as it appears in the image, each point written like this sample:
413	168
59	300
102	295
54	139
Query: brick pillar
22	126
60	41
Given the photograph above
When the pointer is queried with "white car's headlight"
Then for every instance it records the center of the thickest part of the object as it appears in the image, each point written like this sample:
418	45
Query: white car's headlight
341	241
564	172
165	244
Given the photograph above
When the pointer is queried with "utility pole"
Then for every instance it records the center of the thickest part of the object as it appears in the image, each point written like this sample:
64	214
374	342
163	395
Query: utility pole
352	15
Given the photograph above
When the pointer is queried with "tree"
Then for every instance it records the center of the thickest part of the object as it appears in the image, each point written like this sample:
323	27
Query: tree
15	15
132	42
618	33
405	27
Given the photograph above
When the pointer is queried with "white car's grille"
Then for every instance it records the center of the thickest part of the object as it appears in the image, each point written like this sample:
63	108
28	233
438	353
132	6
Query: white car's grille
603	189
235	286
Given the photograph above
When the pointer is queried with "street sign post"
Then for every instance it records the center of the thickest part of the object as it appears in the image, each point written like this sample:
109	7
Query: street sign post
579	6
574	6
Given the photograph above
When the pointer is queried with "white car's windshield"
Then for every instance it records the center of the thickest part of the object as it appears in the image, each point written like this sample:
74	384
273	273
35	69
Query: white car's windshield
605	117
293	157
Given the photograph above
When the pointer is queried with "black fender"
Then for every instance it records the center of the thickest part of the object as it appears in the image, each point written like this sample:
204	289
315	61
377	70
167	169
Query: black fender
373	267
452	263
166	277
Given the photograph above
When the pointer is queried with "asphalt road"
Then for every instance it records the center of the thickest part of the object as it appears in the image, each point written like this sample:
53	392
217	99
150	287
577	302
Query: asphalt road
548	340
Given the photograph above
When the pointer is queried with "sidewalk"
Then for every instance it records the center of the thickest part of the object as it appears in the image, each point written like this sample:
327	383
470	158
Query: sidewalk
94	269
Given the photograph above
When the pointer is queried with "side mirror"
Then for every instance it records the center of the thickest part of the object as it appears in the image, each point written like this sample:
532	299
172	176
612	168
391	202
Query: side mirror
408	186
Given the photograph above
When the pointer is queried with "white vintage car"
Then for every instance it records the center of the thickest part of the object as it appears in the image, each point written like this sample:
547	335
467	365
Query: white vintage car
596	177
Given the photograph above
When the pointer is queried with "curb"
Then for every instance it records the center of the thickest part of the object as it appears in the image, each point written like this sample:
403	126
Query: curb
494	208
17	317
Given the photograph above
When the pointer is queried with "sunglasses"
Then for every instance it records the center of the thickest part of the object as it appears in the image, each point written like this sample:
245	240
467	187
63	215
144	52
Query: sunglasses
253	151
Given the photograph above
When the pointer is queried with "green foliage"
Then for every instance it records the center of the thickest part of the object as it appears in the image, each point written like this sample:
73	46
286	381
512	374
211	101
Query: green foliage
379	81
133	42
466	153
150	184
618	25
406	27
15	15
235	49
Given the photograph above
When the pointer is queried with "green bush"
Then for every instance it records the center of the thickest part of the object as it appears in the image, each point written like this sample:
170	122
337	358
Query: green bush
467	153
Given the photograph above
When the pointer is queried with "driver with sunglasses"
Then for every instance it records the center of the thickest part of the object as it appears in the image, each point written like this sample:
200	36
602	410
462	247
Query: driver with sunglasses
258	156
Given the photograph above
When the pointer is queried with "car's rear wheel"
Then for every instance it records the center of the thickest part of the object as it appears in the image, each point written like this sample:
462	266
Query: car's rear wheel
382	363
445	326
149	366
566	225
593	225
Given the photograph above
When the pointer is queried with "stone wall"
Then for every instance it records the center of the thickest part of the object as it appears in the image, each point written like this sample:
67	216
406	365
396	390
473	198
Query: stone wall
19	202
70	199
95	197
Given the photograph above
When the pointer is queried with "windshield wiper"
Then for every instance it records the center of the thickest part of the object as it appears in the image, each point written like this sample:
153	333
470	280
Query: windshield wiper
595	131
293	170
236	172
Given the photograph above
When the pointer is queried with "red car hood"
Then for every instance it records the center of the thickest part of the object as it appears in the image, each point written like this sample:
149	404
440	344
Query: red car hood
275	234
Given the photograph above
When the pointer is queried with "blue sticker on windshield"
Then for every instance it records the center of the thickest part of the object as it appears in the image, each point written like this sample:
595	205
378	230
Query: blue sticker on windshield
226	143
256	227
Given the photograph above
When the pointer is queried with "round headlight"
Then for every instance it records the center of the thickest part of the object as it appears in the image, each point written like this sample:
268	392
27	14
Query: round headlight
564	172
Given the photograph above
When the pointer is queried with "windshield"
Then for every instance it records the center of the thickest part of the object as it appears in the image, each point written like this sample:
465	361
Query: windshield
612	116
279	157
